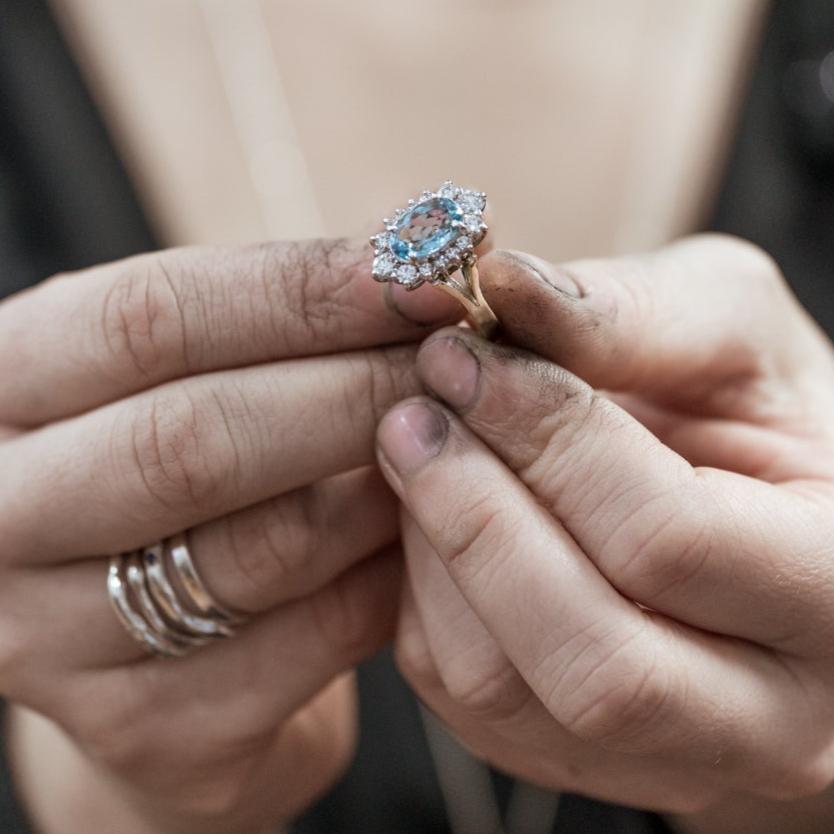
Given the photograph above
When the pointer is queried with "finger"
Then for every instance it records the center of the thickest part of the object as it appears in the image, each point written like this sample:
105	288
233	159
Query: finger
85	339
765	452
698	545
457	668
472	667
530	745
235	693
251	561
304	755
702	322
608	671
291	545
144	468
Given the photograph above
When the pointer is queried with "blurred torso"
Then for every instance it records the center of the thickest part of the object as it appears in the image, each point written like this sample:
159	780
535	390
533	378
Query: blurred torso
595	126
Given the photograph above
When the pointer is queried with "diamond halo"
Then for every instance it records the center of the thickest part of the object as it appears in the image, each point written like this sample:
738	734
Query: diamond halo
432	237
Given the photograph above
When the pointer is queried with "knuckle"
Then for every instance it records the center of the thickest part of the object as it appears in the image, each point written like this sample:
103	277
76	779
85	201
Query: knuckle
305	293
566	413
386	376
656	549
487	533
612	698
758	264
178	451
142	320
748	263
273	545
415	661
490	692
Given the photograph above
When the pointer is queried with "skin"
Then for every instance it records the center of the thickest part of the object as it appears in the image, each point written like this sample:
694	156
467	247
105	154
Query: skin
619	534
235	393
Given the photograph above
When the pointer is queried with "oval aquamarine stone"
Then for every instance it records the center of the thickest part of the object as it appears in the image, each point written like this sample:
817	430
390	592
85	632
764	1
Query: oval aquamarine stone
426	229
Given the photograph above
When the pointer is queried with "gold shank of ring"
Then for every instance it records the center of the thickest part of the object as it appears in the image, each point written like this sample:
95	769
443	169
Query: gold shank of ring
468	293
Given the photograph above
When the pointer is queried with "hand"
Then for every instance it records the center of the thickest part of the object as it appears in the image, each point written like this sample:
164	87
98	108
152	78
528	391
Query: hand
235	393
628	595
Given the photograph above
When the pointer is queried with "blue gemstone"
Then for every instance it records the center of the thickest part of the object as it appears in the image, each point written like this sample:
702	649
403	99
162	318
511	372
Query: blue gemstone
426	229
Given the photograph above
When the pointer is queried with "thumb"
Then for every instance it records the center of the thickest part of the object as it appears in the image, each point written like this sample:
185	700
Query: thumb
683	324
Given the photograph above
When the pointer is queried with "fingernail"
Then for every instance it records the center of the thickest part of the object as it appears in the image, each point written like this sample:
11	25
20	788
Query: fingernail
412	434
424	306
450	370
556	277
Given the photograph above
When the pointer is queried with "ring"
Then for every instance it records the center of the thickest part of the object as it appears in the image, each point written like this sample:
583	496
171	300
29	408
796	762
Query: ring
134	623
192	584
432	239
160	599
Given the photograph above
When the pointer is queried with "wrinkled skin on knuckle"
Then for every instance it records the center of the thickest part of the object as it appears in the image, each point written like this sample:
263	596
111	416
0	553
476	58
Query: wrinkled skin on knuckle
554	434
658	547
272	549
386	376
142	320
489	532
572	410
181	451
300	272
613	692
492	692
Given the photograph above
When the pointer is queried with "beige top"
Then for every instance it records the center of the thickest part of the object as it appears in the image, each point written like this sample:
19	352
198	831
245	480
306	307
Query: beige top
595	126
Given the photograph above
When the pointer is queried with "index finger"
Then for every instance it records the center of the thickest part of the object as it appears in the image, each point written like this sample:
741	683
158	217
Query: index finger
85	339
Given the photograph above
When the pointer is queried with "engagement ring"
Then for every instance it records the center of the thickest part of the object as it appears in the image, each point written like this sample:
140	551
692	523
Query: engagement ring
433	240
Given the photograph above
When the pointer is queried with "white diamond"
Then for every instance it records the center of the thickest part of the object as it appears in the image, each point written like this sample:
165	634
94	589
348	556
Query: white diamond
471	201
464	243
450	262
407	274
426	270
383	265
449	189
381	240
472	223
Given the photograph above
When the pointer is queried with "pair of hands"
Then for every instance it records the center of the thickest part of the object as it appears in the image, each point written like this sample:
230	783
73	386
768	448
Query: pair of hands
626	594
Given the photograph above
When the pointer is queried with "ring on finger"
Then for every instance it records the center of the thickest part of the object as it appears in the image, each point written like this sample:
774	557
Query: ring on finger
160	599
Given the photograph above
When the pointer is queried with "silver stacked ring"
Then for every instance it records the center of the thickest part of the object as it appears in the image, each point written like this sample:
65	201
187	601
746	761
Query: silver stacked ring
162	602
